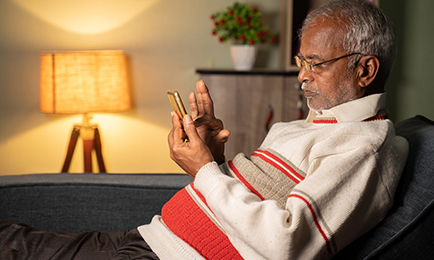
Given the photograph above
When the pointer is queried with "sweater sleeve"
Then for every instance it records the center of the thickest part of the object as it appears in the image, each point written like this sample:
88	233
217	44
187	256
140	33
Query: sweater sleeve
344	197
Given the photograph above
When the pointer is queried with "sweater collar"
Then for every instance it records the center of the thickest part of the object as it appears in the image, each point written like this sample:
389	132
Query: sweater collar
366	108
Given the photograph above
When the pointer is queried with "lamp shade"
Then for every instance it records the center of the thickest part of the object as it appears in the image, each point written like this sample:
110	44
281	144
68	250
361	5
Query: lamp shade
84	82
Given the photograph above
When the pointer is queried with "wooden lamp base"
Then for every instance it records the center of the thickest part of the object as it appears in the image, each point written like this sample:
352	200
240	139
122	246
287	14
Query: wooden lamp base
89	133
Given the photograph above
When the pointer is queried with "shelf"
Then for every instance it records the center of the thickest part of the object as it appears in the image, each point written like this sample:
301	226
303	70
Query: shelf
262	72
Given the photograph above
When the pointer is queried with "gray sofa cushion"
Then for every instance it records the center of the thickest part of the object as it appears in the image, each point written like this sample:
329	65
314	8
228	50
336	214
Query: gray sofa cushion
85	202
408	230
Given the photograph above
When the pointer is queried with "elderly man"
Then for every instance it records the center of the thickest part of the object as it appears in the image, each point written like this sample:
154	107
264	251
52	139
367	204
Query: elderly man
312	187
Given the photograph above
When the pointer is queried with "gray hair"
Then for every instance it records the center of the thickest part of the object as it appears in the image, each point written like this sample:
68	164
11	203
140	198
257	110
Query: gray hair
369	31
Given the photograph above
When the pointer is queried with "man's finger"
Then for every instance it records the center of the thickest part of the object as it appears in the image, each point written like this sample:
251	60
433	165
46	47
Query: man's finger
178	133
193	105
190	129
205	103
170	137
205	120
223	136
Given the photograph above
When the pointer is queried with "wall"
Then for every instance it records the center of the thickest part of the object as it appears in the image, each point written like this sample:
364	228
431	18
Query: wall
410	86
165	40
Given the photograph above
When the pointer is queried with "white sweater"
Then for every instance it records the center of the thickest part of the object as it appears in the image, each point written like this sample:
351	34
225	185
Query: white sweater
312	188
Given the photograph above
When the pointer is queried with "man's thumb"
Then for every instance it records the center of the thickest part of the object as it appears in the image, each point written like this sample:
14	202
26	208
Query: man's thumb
189	127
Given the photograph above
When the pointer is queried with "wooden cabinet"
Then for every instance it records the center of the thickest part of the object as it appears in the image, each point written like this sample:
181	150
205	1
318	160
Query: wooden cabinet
244	102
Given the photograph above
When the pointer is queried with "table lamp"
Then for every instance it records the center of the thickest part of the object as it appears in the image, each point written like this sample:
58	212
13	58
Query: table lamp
84	82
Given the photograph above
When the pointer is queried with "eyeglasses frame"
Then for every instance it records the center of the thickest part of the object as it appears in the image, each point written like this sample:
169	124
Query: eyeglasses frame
302	62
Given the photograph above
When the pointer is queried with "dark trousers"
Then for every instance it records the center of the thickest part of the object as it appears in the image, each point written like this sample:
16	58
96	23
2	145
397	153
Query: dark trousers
21	241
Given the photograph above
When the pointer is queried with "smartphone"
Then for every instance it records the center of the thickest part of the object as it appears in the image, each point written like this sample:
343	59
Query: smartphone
176	102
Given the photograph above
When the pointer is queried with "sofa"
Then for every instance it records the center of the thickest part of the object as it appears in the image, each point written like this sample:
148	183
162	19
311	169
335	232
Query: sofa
119	202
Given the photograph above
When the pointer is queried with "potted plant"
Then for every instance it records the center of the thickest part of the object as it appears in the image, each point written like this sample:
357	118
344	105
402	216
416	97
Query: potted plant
242	25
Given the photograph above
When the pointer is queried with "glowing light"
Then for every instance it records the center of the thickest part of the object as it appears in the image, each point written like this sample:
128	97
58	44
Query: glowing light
129	146
86	16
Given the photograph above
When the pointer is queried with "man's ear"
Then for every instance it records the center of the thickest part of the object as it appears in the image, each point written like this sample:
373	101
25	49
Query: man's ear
367	70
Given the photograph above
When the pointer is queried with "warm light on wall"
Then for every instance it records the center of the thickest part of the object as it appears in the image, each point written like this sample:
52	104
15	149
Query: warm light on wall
84	82
86	16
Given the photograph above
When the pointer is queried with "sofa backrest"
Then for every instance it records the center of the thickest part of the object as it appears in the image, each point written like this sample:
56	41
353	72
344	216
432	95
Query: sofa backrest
85	202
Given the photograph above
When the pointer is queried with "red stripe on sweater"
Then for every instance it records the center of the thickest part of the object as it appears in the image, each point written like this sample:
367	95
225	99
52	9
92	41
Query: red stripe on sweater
280	165
187	220
380	117
334	121
202	198
315	219
325	121
244	181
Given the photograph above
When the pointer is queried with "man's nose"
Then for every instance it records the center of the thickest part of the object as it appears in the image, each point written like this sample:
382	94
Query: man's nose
304	75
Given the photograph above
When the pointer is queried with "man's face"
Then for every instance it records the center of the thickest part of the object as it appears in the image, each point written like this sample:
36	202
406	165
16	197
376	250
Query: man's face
330	84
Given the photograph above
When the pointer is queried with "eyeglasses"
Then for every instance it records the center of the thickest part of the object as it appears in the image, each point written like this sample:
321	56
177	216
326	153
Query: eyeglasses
301	62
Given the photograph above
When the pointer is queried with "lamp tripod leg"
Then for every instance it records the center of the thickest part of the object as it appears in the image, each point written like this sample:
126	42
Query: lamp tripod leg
71	147
91	140
98	152
87	154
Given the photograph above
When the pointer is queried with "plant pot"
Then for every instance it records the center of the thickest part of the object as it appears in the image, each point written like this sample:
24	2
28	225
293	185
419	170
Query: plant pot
243	56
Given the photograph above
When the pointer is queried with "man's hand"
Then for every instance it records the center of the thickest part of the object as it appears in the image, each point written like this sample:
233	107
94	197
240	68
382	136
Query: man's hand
209	128
186	147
